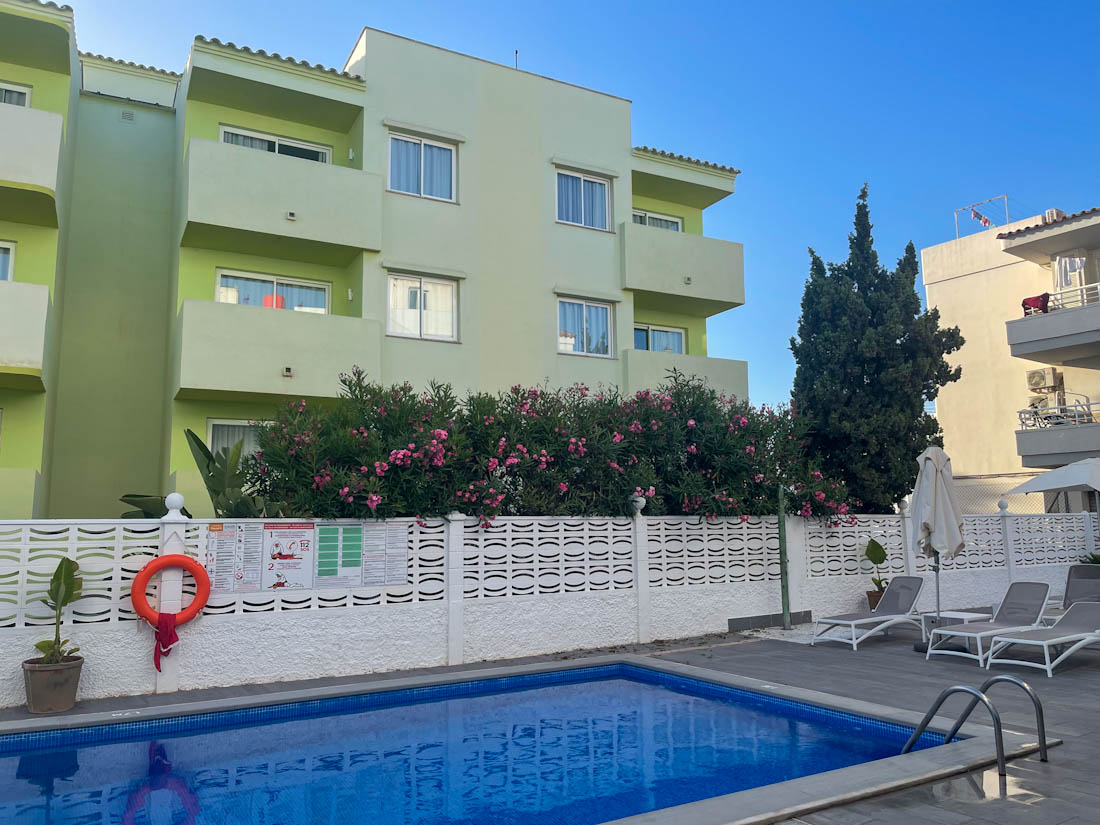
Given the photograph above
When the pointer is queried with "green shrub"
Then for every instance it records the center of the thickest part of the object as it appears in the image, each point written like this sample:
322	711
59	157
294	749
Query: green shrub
382	452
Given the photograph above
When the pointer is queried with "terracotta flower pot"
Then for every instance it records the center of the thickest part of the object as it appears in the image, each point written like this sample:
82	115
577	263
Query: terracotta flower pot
52	688
872	598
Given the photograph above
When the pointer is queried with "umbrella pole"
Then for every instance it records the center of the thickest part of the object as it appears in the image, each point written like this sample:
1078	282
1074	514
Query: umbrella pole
936	567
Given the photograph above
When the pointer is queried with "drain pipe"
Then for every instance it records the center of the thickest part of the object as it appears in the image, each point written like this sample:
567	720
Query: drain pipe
784	584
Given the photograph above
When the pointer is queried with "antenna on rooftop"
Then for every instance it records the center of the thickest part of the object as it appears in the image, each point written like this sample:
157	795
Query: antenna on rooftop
517	58
981	216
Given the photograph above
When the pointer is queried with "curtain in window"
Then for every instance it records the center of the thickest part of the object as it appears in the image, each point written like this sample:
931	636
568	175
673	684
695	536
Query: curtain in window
302	298
641	339
570	326
569	198
438	309
405	165
638	218
663	340
437	171
226	435
5	264
248	141
664	223
597	329
595	204
247	291
404	316
13	97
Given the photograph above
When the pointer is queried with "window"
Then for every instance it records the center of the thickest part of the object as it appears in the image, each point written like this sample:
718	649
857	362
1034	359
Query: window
584	327
659	339
7	261
223	433
425	168
277	145
273	292
658	221
422	308
14	94
583	200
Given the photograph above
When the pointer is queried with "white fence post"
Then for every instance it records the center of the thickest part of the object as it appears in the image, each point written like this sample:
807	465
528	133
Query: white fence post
1090	534
1006	538
797	560
173	535
906	538
641	571
456	631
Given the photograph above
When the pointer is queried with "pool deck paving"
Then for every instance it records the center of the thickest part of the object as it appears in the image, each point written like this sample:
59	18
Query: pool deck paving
1064	791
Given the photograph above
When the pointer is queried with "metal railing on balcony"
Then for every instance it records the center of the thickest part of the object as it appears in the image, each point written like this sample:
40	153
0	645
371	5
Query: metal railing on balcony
1072	298
1079	412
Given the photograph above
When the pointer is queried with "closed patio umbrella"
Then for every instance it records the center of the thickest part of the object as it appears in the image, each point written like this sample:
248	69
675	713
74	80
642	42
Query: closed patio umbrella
937	519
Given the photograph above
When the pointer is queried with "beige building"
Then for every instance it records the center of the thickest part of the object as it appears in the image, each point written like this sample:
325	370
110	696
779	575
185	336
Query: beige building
1029	396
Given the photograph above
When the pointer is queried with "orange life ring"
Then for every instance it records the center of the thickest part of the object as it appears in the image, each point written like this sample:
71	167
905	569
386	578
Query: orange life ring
141	581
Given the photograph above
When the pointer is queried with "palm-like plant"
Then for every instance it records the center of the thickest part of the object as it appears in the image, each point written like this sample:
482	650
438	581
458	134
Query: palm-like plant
65	588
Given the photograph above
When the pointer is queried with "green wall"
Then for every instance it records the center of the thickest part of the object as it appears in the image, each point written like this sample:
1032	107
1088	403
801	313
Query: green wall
49	90
198	276
696	327
692	217
22	418
110	416
203	120
35	252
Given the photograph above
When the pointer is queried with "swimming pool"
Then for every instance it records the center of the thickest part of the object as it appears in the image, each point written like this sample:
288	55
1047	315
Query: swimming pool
577	745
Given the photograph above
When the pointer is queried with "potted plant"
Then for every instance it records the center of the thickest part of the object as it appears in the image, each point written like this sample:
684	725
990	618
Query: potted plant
52	678
876	554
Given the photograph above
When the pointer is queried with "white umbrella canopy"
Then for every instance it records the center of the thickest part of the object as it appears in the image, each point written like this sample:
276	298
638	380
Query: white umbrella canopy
1081	475
937	519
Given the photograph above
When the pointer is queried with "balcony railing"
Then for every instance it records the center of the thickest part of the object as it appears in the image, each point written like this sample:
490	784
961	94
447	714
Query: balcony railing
1071	298
1079	412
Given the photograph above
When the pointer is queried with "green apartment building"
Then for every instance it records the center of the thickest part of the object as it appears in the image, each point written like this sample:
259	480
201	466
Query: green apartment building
190	250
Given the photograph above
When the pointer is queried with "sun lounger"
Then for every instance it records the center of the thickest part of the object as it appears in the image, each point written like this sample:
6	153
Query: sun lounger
898	605
1022	609
1078	627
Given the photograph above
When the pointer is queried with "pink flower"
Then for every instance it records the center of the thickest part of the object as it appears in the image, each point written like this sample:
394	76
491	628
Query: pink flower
441	435
373	500
820	496
692	449
616	438
744	519
751	450
563	487
758	477
635	427
691	423
380	468
493	463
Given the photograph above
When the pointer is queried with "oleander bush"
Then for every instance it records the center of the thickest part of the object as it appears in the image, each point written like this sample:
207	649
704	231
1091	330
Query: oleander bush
686	449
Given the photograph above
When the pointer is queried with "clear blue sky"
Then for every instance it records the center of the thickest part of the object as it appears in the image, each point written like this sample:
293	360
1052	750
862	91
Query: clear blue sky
935	104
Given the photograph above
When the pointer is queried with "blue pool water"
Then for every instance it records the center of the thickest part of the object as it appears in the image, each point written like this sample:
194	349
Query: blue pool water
573	747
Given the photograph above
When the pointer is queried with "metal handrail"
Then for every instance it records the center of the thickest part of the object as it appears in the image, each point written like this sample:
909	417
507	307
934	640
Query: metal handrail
978	696
1079	412
1069	298
1040	722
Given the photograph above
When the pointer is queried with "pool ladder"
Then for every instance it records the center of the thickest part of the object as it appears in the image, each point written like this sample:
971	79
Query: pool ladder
978	695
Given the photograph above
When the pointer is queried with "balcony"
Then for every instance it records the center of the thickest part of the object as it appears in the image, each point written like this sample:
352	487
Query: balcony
30	150
1064	331
691	273
227	350
244	200
1053	436
644	369
23	312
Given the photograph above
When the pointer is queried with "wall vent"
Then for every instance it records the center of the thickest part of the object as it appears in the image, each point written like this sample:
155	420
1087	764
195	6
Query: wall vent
127	116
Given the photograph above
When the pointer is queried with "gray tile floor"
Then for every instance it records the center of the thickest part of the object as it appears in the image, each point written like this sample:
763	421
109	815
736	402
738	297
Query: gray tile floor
1064	791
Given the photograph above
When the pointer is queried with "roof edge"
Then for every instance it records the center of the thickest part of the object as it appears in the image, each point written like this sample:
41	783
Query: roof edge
129	64
687	160
1037	226
293	61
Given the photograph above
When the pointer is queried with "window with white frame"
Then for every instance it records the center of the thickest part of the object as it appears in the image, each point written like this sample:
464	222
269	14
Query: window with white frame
276	145
584	327
659	221
422	308
15	94
223	433
7	260
659	339
583	200
273	292
422	167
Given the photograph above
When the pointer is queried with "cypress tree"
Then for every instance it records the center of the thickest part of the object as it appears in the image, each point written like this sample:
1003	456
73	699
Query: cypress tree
867	361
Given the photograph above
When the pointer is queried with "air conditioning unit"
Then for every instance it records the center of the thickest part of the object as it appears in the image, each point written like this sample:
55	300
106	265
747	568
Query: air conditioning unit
1052	215
1044	380
1043	403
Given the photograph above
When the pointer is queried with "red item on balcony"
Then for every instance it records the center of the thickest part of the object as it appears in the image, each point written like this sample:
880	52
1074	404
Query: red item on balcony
1037	304
278	302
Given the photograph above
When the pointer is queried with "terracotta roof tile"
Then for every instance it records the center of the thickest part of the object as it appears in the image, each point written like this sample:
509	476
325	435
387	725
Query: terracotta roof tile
1063	219
130	64
686	159
48	5
275	55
